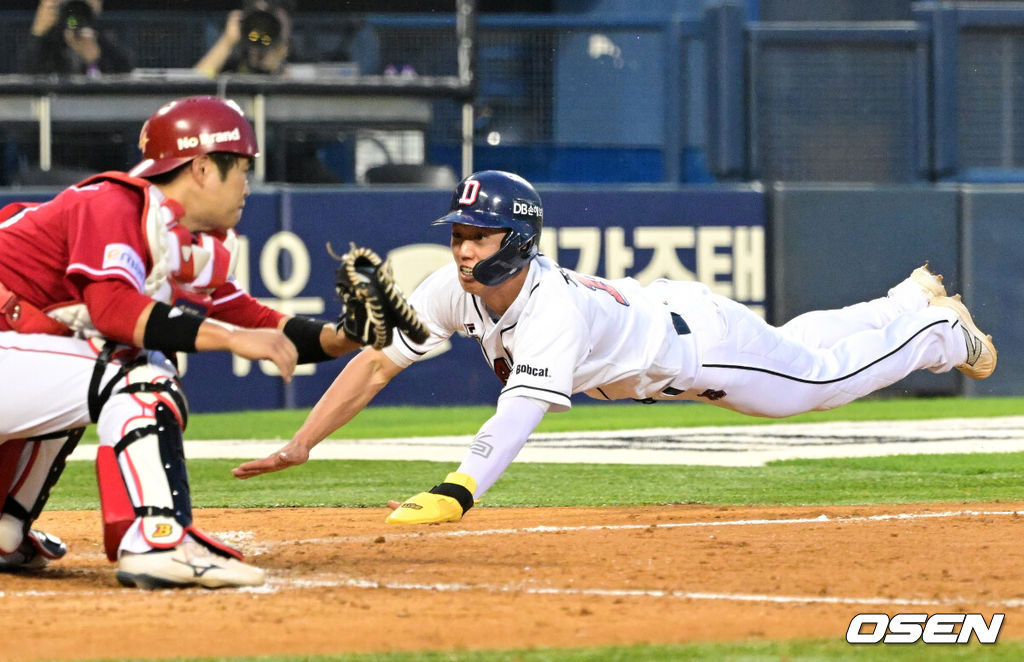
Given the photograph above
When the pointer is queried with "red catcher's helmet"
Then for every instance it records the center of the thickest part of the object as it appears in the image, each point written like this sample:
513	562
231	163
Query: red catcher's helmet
190	127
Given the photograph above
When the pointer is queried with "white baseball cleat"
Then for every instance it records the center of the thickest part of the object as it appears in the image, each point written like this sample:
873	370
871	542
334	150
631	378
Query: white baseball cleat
188	564
34	553
981	353
930	283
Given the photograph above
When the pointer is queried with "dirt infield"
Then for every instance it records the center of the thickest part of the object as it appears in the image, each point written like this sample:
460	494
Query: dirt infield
341	580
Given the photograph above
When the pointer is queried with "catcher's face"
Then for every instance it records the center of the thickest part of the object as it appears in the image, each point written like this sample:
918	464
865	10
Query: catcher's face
220	199
470	244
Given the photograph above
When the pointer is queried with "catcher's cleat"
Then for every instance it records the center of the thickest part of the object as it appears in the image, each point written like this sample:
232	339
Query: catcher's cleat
446	502
188	564
930	283
981	353
34	553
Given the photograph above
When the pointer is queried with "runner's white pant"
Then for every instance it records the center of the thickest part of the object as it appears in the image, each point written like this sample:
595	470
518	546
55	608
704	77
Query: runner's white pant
819	360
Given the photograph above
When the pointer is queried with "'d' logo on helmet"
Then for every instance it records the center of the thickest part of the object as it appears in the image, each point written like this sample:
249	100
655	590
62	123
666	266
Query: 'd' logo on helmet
470	192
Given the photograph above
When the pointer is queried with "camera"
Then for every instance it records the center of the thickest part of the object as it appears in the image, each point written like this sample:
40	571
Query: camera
260	28
76	15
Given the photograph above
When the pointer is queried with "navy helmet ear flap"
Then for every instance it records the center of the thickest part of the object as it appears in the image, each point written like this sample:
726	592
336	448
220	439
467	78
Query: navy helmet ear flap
511	258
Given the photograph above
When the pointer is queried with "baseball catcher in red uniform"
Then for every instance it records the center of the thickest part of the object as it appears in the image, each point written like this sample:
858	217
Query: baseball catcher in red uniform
101	284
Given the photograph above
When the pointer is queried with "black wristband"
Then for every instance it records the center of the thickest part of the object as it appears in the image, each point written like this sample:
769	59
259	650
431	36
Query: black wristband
171	329
305	335
457	492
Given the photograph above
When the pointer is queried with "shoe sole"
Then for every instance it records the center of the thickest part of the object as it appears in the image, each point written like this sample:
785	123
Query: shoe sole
24	568
984	366
402	522
148	582
929	282
153	583
400	516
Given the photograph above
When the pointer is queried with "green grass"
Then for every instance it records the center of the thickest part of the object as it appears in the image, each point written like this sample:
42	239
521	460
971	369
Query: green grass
390	422
897	479
365	483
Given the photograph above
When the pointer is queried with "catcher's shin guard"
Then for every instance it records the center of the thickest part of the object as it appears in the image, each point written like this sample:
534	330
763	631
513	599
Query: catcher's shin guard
151	465
148	387
143	479
37	465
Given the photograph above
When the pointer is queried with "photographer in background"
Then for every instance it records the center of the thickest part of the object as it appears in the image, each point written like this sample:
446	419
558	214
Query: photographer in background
254	41
65	39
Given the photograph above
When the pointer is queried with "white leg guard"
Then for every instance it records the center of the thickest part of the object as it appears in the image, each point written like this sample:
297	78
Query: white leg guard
37	462
152	465
144	489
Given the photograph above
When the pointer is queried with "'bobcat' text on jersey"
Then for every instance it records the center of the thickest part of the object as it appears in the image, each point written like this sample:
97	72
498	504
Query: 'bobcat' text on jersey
565	333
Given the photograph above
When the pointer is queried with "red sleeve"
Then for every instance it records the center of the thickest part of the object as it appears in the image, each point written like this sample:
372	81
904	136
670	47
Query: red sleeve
234	305
114	307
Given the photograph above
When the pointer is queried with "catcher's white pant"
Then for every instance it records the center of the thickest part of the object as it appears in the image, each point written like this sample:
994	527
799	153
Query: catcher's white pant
819	360
46	385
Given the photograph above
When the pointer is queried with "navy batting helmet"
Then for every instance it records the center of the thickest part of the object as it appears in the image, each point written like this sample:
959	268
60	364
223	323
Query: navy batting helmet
496	199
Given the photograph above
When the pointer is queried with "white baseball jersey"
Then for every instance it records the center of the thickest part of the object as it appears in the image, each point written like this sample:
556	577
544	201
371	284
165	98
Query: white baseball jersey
565	333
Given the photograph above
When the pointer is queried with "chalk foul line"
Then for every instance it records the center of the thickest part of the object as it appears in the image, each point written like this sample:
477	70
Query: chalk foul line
461	533
441	587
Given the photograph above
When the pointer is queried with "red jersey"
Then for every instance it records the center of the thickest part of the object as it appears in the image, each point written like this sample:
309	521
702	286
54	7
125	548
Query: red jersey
93	232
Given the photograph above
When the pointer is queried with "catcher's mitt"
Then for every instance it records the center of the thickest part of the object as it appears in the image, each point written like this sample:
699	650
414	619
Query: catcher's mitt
372	305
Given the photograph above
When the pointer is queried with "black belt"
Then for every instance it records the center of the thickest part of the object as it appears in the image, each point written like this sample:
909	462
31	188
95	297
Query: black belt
682	328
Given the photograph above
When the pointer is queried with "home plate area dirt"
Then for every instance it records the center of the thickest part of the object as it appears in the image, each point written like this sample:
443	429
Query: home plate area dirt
340	580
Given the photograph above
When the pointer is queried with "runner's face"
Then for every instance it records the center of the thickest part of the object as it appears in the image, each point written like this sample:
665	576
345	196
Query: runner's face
470	245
